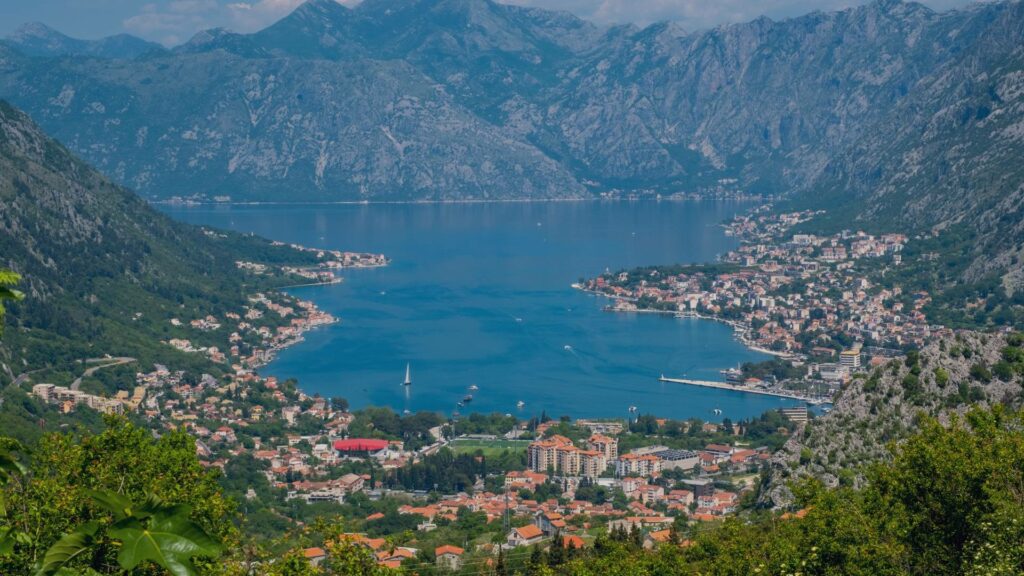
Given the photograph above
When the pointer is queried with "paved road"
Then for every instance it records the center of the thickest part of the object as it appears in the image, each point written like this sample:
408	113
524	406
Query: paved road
19	380
108	362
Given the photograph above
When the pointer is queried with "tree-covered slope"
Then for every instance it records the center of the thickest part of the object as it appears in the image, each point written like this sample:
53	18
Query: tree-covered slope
102	272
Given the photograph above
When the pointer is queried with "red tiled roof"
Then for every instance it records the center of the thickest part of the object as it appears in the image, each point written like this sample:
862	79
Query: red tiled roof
529	532
572	542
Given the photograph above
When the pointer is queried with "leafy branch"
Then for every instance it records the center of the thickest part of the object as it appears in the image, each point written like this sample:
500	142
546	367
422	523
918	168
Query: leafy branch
8	280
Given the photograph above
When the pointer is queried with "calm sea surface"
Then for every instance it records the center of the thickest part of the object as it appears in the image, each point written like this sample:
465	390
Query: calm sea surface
478	294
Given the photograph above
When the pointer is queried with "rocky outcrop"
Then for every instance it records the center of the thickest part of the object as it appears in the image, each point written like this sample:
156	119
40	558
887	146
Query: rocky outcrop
881	406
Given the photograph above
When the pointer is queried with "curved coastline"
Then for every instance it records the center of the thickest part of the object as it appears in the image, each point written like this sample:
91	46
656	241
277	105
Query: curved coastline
741	330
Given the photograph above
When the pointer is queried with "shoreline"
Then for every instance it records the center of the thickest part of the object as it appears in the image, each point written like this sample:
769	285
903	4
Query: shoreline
324	283
271	353
195	204
740	330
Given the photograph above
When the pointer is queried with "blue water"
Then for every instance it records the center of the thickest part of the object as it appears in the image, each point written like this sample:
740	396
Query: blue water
480	294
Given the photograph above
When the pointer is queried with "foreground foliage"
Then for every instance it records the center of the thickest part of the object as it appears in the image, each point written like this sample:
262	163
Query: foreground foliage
951	501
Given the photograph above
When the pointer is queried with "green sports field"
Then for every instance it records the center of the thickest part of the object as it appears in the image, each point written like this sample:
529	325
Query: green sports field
489	447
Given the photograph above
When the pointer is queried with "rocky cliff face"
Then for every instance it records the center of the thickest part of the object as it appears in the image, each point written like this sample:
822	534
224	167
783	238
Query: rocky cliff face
447	99
882	406
949	155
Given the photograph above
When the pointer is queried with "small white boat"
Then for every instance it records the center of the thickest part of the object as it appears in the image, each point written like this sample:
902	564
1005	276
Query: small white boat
408	376
567	347
520	404
406	412
717	411
632	408
474	387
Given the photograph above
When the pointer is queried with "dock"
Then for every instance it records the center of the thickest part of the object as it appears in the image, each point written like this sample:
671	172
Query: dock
725	386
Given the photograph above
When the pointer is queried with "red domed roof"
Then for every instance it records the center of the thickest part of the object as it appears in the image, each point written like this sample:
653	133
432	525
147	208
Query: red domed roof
360	445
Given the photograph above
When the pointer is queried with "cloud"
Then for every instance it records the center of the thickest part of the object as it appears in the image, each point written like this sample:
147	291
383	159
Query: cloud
171	21
252	16
694	14
174	21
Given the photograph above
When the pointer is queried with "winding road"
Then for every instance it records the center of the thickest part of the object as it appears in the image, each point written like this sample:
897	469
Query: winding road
113	361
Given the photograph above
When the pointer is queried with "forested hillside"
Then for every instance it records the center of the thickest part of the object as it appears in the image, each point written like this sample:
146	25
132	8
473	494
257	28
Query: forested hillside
102	272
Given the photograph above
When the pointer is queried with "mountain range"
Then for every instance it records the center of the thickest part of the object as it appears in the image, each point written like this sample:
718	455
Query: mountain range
892	116
471	99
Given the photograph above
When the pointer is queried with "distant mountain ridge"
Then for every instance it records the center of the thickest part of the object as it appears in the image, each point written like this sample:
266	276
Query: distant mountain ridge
38	39
471	99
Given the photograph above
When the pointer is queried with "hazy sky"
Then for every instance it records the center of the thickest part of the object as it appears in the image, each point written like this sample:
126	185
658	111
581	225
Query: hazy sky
174	21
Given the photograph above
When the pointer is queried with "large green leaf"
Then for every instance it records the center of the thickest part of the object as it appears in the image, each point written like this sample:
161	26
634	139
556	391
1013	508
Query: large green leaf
7	540
9	466
170	540
117	504
78	572
8	278
69	547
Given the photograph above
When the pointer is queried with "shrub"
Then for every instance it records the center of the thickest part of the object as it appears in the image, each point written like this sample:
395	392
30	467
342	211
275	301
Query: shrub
980	372
1003	370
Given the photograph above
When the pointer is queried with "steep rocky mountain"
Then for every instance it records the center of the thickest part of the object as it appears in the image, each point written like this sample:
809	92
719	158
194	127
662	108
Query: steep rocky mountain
883	405
447	99
102	271
951	166
37	39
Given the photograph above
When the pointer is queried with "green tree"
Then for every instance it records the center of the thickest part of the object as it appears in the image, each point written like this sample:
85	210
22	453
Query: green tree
65	472
345	558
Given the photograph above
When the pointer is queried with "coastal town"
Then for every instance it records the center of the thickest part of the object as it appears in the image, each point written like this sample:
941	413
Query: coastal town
529	484
808	300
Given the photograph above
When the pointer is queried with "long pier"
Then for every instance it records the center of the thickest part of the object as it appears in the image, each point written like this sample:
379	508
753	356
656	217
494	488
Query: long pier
724	386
